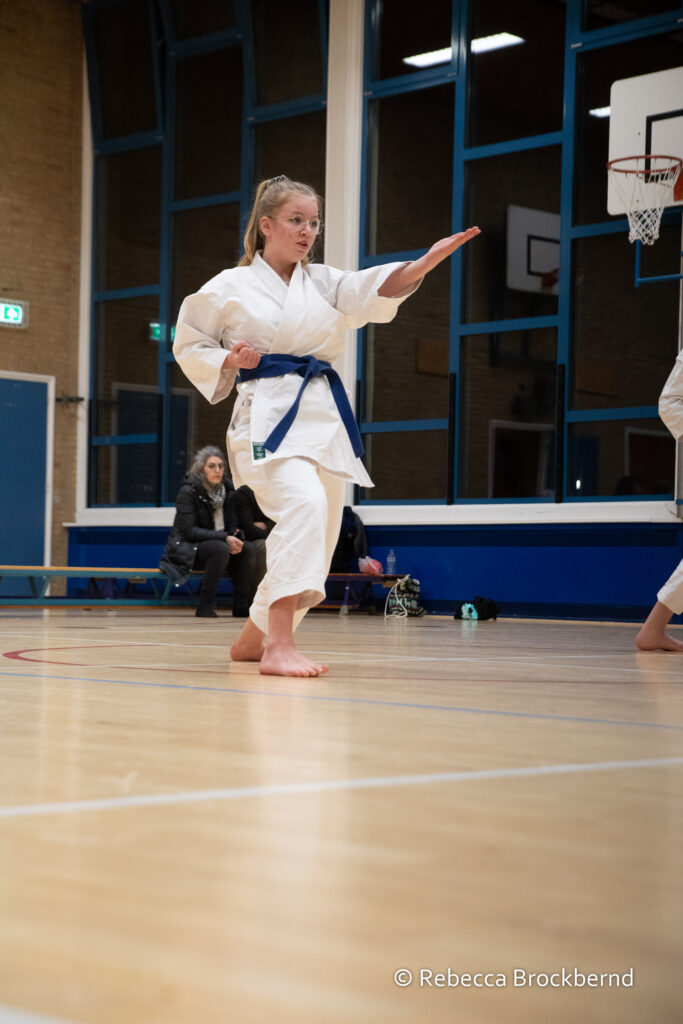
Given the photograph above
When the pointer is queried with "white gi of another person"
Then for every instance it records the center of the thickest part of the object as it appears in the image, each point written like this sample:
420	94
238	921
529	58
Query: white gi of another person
278	320
653	635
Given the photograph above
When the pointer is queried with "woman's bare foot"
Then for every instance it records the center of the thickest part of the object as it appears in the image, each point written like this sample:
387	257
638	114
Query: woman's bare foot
650	640
283	659
652	636
249	644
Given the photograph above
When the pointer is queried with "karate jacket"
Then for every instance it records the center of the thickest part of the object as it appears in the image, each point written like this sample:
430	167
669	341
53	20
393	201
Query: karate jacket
671	400
307	317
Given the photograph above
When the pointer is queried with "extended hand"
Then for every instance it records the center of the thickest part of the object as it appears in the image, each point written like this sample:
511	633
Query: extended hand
242	357
408	273
444	248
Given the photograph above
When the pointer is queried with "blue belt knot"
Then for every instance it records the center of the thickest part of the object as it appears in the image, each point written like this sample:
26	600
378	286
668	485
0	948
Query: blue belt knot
276	365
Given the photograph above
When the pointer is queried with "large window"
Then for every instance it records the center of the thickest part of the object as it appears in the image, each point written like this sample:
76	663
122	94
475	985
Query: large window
192	103
529	368
526	368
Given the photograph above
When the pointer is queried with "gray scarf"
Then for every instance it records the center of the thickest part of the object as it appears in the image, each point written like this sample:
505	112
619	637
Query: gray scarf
216	495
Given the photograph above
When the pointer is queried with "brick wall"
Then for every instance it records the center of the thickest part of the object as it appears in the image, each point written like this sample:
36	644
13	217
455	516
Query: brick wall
40	197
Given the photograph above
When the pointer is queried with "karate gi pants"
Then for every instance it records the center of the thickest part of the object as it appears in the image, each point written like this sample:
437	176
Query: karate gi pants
306	503
671	593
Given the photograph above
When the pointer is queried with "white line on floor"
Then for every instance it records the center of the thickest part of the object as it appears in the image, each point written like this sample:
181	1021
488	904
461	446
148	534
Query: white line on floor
298	788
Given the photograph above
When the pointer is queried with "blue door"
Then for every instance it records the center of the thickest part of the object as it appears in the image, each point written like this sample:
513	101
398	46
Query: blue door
23	452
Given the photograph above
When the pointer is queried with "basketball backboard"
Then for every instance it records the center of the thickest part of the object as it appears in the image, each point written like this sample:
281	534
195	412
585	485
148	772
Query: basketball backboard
533	250
646	116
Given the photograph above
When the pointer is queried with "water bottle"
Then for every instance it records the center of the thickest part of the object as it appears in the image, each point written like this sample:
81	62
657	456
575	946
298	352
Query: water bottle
391	563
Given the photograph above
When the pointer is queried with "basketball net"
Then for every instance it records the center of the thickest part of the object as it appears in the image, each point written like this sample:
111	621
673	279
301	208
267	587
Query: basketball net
645	185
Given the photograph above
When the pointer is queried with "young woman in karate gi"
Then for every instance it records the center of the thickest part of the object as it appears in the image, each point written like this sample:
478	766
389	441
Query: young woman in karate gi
653	635
279	322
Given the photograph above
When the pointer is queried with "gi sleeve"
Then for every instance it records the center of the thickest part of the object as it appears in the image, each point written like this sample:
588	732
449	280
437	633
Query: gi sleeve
198	347
671	400
355	294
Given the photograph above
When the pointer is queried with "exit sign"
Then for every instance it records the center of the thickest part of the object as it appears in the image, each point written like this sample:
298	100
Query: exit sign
13	313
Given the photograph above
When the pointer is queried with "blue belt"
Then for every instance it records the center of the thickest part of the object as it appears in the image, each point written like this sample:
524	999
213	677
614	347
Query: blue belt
276	365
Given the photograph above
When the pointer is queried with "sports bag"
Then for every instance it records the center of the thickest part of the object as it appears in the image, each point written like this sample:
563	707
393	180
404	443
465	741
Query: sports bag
480	608
404	598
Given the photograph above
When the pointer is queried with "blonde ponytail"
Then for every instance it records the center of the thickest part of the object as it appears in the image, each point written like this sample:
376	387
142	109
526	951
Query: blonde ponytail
271	194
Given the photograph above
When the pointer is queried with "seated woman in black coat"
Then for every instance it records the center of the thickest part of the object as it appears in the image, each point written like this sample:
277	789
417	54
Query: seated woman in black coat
206	535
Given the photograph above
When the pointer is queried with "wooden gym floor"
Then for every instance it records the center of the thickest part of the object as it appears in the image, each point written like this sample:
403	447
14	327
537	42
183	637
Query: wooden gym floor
184	841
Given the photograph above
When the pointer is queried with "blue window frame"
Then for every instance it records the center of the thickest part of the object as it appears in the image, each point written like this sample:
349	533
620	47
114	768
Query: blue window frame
580	409
181	129
162	226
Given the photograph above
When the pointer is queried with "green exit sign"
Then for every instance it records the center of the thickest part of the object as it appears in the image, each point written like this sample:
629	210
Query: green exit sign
13	313
155	331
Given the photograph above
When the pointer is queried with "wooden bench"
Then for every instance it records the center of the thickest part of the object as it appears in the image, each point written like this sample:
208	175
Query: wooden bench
40	576
357	589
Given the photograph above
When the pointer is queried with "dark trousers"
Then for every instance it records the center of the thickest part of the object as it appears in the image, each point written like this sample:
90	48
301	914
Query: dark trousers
213	556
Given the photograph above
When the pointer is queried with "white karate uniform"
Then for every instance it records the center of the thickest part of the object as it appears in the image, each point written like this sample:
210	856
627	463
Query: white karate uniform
671	412
300	485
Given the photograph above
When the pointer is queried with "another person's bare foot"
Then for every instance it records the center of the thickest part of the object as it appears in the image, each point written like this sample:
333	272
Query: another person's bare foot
650	640
282	659
249	644
652	636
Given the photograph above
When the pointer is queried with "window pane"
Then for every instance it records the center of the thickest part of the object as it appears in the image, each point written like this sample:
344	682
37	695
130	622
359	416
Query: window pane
621	458
516	90
128	228
294	146
205	241
596	71
123	47
401	34
287	50
511	268
508	415
201	17
407	466
126	358
194	423
125	474
208	124
598	14
411	170
407	360
625	338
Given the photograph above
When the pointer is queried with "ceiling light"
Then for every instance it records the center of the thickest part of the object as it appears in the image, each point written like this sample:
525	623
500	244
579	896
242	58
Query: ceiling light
433	57
495	42
426	60
600	111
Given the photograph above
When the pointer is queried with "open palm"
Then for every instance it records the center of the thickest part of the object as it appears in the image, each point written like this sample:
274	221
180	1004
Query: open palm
446	246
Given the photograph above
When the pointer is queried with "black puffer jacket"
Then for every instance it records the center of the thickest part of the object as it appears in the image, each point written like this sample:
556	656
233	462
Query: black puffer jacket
193	523
249	513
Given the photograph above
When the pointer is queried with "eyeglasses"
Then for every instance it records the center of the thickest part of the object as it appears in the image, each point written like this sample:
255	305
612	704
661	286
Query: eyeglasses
299	223
213	465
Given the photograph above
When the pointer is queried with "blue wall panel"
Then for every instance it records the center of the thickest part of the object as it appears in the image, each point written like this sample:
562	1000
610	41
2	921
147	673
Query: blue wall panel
588	571
124	547
596	571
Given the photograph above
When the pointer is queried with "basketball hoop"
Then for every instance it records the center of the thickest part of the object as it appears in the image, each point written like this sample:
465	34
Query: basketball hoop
645	185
